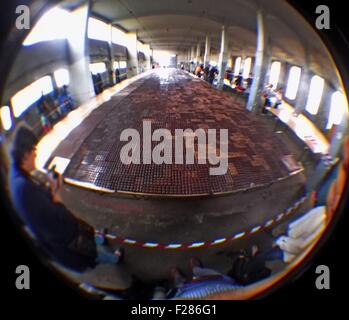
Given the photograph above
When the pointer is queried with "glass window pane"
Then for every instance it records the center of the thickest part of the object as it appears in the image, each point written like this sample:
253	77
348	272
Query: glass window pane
45	85
98	67
49	27
98	30
247	67
293	82
30	94
116	65
275	73
61	77
339	107
5	115
237	66
315	94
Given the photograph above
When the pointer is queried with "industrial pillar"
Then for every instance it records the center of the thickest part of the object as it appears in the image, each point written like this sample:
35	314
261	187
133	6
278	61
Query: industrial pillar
198	53
335	147
110	64
132	60
262	62
81	85
148	64
223	57
207	51
192	57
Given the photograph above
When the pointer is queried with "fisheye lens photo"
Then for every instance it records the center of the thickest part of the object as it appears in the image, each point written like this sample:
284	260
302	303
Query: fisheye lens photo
172	149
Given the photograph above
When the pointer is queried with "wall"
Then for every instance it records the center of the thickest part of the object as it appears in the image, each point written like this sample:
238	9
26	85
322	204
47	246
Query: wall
98	50
35	62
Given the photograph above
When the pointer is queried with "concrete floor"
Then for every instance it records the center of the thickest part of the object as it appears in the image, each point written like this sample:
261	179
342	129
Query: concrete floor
168	221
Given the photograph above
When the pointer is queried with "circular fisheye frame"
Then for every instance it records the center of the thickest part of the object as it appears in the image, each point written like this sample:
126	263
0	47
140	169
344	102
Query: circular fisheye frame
199	147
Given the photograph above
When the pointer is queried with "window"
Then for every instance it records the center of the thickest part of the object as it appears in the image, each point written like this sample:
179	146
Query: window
54	24
116	65
61	77
98	67
293	82
5	115
123	64
275	73
237	66
30	94
339	107
315	94
118	36
247	67
98	30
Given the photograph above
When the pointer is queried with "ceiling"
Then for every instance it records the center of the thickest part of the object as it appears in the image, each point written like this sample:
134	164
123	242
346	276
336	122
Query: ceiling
177	25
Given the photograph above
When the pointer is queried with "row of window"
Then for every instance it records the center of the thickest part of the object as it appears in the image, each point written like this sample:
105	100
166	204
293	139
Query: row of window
100	67
317	85
33	92
50	27
246	67
30	94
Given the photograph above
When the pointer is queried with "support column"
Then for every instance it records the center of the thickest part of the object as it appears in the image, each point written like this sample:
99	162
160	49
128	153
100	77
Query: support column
339	133
147	54
192	57
187	67
150	58
336	146
262	61
223	57
81	85
198	53
243	58
110	64
207	51
132	60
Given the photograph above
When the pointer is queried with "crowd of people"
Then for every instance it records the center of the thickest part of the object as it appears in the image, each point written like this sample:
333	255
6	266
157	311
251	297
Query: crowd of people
239	83
210	73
